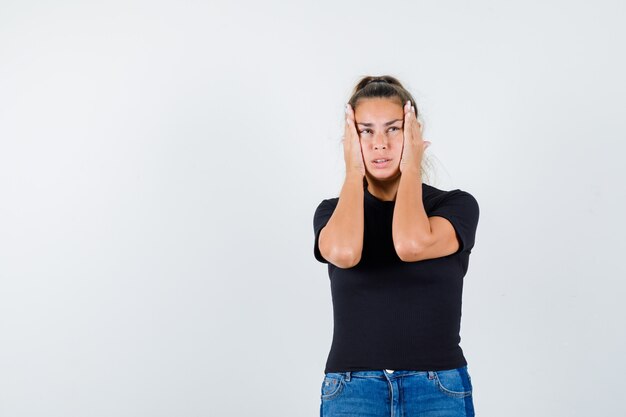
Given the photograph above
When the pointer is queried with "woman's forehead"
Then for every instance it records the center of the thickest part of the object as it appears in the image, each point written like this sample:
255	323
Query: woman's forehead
378	110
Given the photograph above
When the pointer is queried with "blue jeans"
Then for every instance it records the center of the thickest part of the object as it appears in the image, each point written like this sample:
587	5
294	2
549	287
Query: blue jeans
397	393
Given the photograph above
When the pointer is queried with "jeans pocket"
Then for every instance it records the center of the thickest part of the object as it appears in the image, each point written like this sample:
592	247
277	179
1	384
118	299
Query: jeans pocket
332	385
455	383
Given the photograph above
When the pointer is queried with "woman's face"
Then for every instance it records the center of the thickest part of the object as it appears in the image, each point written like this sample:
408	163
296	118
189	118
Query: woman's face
380	123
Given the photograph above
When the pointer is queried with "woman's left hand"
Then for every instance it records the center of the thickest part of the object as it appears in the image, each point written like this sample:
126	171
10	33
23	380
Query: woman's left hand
413	146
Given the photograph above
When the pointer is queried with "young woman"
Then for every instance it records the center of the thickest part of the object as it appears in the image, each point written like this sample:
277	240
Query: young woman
397	251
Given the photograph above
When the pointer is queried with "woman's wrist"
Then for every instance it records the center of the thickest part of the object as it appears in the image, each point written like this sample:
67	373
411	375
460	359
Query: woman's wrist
411	171
354	175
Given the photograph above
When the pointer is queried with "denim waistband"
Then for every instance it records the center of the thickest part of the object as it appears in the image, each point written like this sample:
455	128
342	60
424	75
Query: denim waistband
384	373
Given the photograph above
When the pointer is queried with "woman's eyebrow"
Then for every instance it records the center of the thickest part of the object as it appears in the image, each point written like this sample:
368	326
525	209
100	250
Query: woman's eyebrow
386	124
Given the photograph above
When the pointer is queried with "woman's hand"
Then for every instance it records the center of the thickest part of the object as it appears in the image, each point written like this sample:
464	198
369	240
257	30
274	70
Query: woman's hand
413	146
352	145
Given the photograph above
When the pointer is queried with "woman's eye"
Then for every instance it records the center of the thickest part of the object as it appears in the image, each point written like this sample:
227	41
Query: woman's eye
367	130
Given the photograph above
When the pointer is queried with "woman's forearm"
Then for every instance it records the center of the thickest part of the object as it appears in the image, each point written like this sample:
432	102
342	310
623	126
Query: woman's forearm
341	240
410	227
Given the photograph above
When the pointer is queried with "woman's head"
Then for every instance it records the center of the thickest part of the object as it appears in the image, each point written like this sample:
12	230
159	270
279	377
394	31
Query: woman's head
378	104
384	86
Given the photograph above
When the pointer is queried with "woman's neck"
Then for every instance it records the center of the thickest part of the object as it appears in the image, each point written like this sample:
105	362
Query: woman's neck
383	190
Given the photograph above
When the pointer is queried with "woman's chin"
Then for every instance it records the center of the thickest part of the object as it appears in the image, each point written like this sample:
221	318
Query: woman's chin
384	175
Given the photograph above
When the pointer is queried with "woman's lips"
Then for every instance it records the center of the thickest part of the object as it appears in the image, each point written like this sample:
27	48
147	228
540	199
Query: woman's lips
381	164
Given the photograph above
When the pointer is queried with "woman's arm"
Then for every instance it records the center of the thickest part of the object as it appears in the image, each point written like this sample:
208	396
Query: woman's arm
415	235
341	240
410	226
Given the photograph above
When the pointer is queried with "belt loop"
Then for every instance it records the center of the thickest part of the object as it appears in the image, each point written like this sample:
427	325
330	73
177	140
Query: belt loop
348	376
431	374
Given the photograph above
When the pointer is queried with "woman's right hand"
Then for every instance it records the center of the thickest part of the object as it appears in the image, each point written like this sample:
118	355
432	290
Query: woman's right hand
352	145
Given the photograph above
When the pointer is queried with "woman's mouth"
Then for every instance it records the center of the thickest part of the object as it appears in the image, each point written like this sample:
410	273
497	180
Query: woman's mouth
381	163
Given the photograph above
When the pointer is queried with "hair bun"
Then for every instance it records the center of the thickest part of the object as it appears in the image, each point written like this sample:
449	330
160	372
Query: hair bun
377	80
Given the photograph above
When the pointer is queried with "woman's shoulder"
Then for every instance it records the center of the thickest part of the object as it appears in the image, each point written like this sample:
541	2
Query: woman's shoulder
436	196
327	204
329	201
437	192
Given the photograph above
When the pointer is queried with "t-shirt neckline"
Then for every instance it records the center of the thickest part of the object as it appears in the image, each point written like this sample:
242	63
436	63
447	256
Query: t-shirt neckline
371	197
375	199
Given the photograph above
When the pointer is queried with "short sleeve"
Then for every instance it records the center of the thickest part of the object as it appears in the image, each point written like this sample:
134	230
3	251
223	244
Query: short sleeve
462	210
322	214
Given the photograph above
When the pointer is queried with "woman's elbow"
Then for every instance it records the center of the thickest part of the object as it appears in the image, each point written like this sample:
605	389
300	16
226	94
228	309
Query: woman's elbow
408	251
344	257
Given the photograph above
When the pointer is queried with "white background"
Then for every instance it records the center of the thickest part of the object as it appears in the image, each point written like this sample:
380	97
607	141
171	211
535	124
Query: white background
160	164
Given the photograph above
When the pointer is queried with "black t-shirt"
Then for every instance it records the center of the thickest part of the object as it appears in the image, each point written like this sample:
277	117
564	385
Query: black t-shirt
391	314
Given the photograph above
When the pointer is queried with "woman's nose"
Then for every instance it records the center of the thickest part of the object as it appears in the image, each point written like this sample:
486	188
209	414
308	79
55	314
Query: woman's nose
380	142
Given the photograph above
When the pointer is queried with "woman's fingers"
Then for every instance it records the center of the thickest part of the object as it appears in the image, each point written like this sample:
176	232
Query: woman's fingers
412	128
404	158
352	144
413	144
350	126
